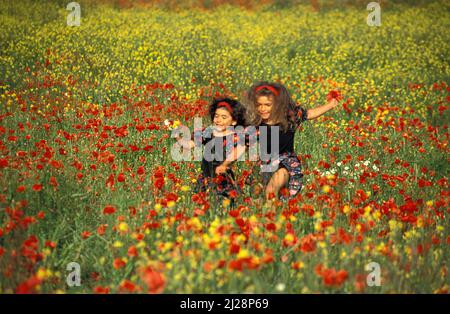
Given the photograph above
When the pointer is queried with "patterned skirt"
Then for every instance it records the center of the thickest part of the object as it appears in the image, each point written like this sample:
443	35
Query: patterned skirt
292	164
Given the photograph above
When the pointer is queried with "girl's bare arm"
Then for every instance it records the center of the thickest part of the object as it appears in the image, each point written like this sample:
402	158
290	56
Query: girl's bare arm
318	111
234	155
184	141
187	144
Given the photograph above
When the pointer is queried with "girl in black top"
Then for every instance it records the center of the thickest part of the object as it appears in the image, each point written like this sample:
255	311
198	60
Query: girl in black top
227	115
271	105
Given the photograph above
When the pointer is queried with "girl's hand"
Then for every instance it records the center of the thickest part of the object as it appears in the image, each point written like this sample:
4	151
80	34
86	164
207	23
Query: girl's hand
176	133
334	94
334	103
221	169
186	144
179	139
333	98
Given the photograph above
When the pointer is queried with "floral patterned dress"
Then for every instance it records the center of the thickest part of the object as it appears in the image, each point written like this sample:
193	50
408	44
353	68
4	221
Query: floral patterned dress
286	157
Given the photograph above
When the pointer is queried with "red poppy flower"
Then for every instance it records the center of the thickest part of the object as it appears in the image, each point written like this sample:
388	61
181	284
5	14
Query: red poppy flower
234	248
85	234
271	227
330	276
308	244
153	279
3	162
159	183
37	187
334	94
140	170
110	181
28	286
20	188
101	290
121	177
119	263
101	229
127	286
235	265
53	181
132	251
109	210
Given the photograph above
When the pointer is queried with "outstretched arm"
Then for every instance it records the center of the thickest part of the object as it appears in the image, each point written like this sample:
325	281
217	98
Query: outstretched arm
318	111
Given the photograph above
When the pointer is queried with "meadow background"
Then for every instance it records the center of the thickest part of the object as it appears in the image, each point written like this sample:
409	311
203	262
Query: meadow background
86	173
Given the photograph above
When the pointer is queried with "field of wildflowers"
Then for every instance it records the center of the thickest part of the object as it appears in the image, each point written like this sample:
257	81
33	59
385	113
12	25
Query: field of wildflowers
86	174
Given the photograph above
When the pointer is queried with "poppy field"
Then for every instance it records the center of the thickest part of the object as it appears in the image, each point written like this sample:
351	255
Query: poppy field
87	177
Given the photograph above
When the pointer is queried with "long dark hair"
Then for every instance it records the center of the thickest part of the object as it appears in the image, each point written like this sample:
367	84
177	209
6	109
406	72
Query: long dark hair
282	103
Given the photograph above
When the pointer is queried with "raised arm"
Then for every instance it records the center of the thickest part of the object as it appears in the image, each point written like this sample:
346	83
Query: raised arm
318	111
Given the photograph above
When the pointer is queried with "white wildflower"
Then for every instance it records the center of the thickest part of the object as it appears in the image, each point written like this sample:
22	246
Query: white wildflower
280	287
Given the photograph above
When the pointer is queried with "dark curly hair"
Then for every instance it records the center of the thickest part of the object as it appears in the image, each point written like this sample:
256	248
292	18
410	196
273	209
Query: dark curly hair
238	113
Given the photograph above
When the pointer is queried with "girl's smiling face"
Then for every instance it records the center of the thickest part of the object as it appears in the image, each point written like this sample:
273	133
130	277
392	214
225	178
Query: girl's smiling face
264	106
223	119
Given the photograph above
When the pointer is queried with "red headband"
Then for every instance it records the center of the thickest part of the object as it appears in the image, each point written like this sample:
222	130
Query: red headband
272	89
226	105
